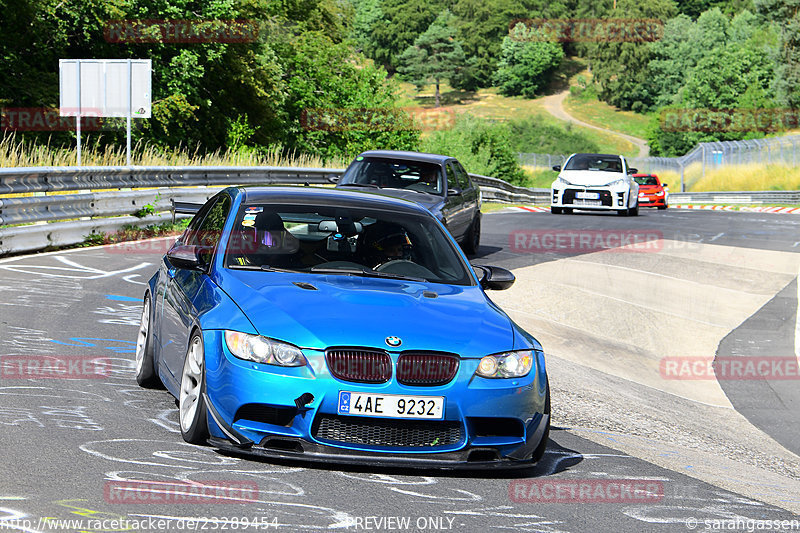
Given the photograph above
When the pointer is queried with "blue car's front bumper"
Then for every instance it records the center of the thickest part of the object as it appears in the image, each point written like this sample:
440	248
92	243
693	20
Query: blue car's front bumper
258	409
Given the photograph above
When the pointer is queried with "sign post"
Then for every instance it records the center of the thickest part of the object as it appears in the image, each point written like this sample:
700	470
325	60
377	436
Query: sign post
107	87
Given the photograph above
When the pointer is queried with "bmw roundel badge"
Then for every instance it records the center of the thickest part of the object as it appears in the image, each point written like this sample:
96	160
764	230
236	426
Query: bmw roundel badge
394	342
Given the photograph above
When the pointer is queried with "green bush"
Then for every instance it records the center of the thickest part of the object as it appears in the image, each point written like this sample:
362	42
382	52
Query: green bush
534	135
482	147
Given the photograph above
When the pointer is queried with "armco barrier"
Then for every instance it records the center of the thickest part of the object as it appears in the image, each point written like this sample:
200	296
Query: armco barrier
43	220
112	194
738	197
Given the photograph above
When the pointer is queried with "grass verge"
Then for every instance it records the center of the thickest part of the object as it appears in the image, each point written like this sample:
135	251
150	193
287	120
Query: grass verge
16	152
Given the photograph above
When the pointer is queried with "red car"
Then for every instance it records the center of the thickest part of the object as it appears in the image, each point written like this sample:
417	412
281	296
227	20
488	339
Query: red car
652	193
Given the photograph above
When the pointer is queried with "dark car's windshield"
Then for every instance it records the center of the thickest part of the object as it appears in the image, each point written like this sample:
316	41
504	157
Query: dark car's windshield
646	180
609	163
395	174
337	240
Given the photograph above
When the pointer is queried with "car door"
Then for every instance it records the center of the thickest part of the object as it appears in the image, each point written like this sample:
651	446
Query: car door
167	270
183	286
459	219
471	194
452	202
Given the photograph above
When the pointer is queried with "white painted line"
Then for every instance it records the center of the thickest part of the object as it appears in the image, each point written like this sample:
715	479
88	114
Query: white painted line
797	321
82	249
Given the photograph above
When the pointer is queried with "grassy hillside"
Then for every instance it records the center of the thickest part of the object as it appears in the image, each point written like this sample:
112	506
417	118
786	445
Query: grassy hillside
489	104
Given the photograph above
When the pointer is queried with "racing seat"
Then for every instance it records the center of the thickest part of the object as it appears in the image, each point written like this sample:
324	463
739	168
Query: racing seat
267	242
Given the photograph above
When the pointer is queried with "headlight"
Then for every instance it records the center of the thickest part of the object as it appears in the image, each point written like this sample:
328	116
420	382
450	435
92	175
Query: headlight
263	350
506	365
561	181
616	183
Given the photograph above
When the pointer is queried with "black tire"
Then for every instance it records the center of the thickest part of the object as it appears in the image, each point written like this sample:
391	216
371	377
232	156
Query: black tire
472	242
634	212
193	417
555	210
662	207
538	453
567	210
144	362
622	212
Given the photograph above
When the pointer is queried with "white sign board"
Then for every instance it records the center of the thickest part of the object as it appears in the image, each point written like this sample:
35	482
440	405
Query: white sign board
106	85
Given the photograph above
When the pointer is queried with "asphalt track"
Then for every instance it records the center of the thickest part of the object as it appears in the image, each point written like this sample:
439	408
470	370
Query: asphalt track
68	443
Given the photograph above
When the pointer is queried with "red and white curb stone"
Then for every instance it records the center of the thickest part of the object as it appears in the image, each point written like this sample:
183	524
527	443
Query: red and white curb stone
786	210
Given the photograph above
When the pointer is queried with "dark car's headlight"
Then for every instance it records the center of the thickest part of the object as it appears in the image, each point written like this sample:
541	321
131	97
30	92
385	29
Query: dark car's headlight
506	365
263	350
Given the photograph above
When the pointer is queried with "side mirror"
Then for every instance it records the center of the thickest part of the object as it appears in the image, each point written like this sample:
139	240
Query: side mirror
665	184
187	257
455	191
557	168
495	278
333	178
633	171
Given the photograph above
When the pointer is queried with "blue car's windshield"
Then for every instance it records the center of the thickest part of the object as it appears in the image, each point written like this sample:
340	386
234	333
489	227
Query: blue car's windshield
337	240
394	174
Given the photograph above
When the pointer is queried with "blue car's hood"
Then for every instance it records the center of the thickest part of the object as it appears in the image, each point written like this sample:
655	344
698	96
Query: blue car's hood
360	311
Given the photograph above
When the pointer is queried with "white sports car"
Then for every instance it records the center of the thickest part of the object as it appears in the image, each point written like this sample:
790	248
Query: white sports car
597	182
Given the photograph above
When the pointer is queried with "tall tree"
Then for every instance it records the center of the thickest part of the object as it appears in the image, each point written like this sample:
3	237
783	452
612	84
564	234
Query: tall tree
482	25
400	22
620	68
786	15
436	55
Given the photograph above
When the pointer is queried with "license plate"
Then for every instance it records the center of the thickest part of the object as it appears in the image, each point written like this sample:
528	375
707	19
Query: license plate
391	405
587	202
587	195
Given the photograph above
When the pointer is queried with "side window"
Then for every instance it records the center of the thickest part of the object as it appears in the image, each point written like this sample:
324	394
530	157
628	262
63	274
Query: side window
209	231
197	219
462	176
451	177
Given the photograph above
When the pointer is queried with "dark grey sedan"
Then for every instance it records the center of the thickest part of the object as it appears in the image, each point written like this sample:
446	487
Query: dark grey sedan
438	182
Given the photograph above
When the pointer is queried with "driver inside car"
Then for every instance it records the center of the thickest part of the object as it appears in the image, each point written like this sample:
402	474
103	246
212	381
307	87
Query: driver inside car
395	246
385	242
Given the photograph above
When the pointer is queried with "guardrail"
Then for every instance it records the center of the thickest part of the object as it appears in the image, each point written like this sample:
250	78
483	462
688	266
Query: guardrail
739	197
46	220
113	194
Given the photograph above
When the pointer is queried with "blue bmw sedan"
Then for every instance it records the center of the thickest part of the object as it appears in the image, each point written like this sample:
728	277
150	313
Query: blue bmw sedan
341	326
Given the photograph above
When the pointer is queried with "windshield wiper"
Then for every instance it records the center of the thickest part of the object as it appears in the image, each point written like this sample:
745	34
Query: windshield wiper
367	272
267	268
